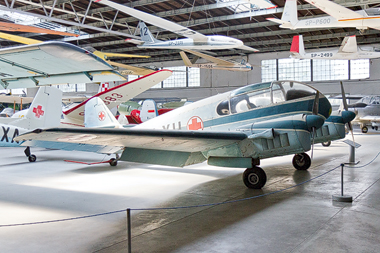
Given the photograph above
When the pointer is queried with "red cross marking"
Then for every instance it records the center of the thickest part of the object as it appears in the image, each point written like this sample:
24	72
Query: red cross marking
38	111
101	116
195	123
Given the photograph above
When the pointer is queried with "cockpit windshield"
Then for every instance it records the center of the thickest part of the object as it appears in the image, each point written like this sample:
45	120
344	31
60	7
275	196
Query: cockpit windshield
263	94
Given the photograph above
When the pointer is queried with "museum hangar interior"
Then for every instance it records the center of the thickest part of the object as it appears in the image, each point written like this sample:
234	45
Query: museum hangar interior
57	206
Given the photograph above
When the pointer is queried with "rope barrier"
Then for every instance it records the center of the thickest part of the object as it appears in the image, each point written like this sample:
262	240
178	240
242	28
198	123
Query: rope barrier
183	207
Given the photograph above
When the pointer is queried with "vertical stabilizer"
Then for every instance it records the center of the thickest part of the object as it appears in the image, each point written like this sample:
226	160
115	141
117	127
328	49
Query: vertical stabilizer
145	34
45	110
97	114
290	14
148	110
297	48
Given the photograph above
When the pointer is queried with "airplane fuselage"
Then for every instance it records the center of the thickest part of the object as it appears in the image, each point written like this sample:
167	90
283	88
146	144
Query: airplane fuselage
212	42
334	54
329	21
210	65
254	110
8	133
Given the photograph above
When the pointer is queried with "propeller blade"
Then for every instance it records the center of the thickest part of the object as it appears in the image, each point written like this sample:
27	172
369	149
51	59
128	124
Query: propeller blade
312	145
316	104
345	106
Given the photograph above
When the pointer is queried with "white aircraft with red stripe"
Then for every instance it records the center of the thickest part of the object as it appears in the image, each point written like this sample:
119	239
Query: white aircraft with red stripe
112	97
347	51
339	16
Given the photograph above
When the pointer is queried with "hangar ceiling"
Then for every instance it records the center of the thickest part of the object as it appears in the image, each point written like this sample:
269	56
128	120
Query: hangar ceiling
107	29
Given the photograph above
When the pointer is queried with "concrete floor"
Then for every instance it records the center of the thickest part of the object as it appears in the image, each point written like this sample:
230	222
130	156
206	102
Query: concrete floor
301	219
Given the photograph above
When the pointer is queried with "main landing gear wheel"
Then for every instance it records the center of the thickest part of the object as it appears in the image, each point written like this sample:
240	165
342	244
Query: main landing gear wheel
364	130
113	162
32	158
254	178
326	144
301	161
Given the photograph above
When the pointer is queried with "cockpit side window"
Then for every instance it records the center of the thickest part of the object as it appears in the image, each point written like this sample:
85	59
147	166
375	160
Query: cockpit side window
223	108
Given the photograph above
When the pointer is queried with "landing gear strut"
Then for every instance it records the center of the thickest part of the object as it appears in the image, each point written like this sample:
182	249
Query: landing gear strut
301	161
254	178
32	158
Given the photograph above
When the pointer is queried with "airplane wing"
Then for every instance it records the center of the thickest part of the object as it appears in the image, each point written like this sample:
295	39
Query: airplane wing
15	99
349	45
210	58
369	118
335	10
12	27
175	148
52	63
157	21
121	93
136	70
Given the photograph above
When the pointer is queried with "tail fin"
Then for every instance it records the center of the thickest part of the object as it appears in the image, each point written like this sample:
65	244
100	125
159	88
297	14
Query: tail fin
45	110
148	110
290	15
349	45
145	34
185	59
297	48
97	114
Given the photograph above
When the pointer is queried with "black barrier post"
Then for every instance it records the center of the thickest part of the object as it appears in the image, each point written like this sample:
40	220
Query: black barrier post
129	230
342	197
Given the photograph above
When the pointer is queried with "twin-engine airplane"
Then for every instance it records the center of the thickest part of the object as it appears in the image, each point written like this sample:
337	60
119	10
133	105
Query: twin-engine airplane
194	40
339	16
347	51
214	63
240	128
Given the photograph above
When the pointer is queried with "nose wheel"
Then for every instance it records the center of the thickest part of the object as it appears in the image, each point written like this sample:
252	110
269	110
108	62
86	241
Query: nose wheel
301	161
31	158
254	178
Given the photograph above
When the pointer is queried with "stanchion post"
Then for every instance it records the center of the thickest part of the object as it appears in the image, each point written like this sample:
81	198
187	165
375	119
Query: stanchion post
342	197
129	230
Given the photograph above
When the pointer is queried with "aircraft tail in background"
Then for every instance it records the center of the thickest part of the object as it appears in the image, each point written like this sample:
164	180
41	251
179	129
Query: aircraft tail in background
146	35
289	16
97	114
45	110
297	49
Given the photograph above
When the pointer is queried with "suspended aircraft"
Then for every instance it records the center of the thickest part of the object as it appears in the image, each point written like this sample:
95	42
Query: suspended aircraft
45	111
347	51
238	129
339	16
194	40
214	63
261	4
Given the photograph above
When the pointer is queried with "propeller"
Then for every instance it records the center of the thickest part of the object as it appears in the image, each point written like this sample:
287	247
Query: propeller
345	106
315	112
